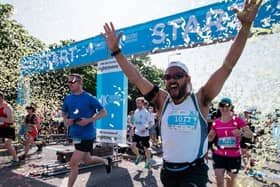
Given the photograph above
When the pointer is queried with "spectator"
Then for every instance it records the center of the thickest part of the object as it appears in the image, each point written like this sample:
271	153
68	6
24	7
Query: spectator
7	131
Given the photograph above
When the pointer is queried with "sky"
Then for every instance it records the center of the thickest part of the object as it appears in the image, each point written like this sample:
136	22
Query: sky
255	80
54	20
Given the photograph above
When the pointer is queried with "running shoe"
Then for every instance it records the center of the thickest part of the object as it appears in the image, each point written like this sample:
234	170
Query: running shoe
39	148
148	164
138	159
109	165
22	157
15	162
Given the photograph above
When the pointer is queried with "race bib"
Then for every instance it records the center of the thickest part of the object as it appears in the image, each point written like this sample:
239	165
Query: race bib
182	121
227	142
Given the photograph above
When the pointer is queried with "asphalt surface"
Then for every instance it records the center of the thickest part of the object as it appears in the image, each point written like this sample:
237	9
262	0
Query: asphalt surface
124	173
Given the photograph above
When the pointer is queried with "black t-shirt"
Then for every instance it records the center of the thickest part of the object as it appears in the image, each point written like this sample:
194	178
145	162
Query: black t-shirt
31	119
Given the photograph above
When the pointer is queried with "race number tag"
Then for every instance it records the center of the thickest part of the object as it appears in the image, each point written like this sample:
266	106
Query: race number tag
227	142
183	121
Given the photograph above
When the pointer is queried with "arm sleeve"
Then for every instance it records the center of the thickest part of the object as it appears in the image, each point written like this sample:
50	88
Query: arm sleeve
149	96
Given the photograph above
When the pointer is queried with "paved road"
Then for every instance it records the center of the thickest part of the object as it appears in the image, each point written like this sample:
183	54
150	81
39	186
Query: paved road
124	174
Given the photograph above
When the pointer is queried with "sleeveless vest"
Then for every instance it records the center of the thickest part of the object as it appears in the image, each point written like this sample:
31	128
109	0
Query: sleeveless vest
183	131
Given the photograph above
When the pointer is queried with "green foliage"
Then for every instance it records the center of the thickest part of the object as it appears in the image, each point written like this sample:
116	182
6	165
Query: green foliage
15	42
149	71
48	89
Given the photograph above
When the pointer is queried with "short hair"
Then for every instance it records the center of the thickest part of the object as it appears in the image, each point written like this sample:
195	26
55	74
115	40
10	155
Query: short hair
31	107
140	99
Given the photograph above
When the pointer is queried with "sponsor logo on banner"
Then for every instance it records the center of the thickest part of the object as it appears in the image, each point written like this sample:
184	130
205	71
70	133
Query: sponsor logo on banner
108	66
112	93
205	25
111	136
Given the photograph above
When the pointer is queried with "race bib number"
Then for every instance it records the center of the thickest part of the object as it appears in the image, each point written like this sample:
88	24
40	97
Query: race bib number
183	121
227	142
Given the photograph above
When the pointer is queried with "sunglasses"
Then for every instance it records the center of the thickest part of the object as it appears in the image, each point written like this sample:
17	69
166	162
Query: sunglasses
222	105
175	76
72	82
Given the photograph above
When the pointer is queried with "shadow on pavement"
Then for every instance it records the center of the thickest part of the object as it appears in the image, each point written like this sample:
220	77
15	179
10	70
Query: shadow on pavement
10	178
118	177
146	181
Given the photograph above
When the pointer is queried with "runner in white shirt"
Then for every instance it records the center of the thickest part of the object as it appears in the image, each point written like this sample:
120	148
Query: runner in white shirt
183	112
143	121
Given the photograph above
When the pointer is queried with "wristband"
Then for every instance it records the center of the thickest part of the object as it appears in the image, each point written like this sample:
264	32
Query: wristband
114	53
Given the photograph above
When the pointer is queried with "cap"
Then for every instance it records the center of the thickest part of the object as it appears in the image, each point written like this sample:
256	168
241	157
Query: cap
226	100
178	64
250	109
247	110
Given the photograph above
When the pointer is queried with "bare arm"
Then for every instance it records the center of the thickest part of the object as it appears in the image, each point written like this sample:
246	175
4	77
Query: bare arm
211	135
133	75
9	112
102	113
129	69
215	83
36	120
246	132
66	120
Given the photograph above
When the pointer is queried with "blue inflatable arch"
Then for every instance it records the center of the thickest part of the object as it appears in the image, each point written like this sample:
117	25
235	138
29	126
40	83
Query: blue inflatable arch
201	26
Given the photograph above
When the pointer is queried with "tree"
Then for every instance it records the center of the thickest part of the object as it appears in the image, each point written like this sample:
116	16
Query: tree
15	42
49	89
149	71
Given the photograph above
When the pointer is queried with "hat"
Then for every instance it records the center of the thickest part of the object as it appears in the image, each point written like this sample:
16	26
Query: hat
250	110
226	100
247	110
178	64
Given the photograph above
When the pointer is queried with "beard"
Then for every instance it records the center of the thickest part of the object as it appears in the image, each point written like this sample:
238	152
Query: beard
179	92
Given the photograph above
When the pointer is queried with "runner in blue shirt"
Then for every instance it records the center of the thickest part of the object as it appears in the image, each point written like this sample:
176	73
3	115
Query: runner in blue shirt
80	111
